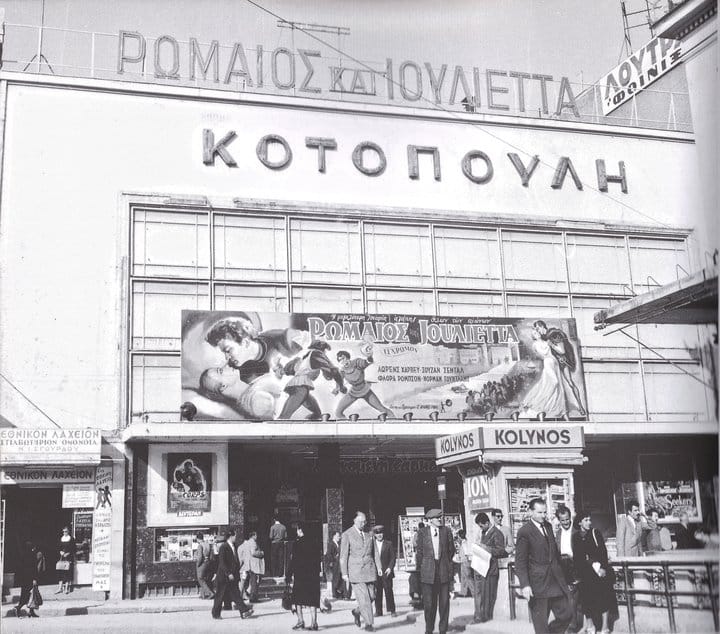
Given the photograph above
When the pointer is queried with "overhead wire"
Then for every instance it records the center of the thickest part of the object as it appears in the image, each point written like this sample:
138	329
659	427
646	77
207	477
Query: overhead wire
29	400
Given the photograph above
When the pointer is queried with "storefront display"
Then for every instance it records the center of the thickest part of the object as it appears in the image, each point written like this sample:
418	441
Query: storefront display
520	492
175	545
407	535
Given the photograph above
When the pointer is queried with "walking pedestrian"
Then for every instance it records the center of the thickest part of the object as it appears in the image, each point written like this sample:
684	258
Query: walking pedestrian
252	566
385	564
332	567
31	563
66	564
358	568
435	549
537	564
278	534
305	572
414	586
203	566
466	578
228	575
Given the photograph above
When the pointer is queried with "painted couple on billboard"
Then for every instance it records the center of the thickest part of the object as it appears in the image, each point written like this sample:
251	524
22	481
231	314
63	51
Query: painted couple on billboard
282	366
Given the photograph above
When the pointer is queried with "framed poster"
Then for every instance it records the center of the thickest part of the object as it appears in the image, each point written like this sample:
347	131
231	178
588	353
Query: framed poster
669	483
407	534
189	479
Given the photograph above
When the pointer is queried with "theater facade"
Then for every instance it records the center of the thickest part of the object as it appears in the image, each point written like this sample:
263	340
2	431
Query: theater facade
137	215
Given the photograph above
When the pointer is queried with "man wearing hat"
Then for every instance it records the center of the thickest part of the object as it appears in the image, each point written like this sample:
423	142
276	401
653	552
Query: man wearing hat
385	564
434	553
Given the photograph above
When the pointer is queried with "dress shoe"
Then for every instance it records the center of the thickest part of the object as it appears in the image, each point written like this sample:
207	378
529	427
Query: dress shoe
34	615
299	626
217	618
369	628
356	614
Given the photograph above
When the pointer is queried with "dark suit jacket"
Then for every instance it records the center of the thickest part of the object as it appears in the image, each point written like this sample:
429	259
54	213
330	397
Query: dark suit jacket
494	541
537	562
425	555
387	559
227	563
332	558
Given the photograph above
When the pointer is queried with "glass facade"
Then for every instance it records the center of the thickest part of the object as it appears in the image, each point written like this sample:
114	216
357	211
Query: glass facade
220	260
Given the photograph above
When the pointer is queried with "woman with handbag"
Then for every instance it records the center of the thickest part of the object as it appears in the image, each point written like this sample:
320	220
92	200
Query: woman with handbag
305	571
66	563
29	567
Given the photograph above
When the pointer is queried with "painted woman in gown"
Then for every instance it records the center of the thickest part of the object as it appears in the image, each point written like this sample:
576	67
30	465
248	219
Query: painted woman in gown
548	394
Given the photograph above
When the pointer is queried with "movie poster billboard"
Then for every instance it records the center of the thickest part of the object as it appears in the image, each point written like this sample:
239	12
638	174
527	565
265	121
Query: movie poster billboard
281	366
189	479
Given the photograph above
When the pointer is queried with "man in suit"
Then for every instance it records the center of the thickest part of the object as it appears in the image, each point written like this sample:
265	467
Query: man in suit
332	567
357	565
564	539
228	574
537	564
485	588
203	565
252	566
629	531
384	554
433	555
278	534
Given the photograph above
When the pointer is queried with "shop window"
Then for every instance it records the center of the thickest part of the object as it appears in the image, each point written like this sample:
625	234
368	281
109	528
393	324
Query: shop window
555	491
676	393
614	391
398	255
82	524
467	258
265	298
669	483
156	312
325	251
530	306
175	545
170	244
601	344
401	302
154	380
598	264
534	261
656	262
470	304
327	300
249	248
672	341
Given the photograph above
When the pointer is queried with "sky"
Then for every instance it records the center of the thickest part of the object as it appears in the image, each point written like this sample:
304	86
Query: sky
578	39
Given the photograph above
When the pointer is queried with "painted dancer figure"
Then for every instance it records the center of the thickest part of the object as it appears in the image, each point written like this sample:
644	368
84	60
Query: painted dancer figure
353	371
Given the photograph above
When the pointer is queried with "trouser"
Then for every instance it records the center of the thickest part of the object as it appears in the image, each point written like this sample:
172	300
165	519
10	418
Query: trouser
364	594
24	595
277	565
576	613
540	608
205	590
436	596
254	585
228	591
337	585
384	583
484	596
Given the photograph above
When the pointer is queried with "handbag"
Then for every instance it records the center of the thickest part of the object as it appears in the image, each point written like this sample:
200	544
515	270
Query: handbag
36	599
286	599
62	565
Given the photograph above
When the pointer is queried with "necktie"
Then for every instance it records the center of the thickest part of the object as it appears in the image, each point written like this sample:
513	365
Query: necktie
435	532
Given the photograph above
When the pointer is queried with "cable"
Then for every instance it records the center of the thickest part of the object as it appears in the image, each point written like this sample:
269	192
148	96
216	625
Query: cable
29	400
472	123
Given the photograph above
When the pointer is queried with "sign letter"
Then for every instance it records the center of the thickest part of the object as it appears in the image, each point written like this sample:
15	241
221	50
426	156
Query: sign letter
210	148
413	167
604	179
122	57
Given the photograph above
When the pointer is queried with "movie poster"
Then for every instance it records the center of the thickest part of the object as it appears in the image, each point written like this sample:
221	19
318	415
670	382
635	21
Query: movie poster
189	478
281	366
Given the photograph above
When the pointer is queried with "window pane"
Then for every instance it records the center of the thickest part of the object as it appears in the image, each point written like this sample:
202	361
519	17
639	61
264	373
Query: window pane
540	306
601	344
534	261
401	302
673	395
598	264
272	299
674	341
467	258
170	244
614	391
248	248
398	255
327	300
471	305
325	251
657	259
156	312
155	387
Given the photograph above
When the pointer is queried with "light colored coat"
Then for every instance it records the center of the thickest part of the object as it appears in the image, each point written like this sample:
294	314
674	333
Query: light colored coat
629	538
357	557
248	562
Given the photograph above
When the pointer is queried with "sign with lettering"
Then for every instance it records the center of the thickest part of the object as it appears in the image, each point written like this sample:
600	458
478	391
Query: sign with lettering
637	72
514	437
20	475
49	446
102	528
280	366
477	492
78	496
457	444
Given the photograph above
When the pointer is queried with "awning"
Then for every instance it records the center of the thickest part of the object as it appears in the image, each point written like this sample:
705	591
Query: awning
690	300
571	459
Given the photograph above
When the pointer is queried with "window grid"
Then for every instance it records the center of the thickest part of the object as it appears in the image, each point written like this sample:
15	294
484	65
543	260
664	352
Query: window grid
418	287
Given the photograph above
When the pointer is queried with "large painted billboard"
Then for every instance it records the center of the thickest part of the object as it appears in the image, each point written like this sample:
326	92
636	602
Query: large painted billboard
281	366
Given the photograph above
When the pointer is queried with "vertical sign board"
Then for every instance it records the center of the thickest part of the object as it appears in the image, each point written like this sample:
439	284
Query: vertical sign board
477	492
102	526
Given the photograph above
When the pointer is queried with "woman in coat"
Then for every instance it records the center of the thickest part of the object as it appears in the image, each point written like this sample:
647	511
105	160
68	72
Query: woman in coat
66	549
305	572
590	558
30	565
